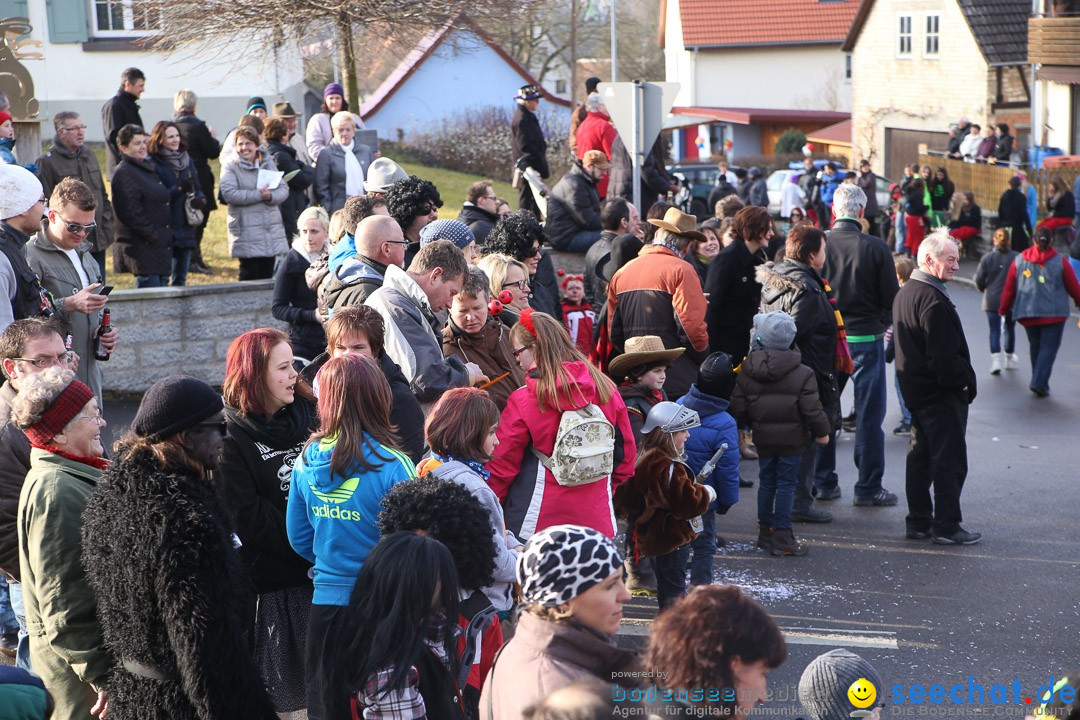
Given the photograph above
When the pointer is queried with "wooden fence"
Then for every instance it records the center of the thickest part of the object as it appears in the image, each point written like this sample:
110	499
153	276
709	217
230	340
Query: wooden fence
988	182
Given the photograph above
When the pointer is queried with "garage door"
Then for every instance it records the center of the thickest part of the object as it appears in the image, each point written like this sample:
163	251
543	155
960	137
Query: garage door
902	147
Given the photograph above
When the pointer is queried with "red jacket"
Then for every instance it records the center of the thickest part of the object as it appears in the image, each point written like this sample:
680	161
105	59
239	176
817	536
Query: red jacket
596	133
579	323
531	498
1035	254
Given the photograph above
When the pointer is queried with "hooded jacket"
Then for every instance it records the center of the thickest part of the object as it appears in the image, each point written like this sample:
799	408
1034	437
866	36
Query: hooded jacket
1069	287
172	594
412	337
531	497
543	657
255	227
573	206
659	501
658	293
489	348
776	395
352	283
59	162
331	520
143	218
255	476
479	220
717	427
595	133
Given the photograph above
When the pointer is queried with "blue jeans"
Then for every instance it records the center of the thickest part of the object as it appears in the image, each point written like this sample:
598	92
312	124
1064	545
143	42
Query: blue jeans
1044	341
995	332
871	398
704	550
903	405
778	476
151	281
8	625
671	575
580	241
22	655
901	232
181	260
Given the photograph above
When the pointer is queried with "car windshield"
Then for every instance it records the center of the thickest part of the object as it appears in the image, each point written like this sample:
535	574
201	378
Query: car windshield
777	179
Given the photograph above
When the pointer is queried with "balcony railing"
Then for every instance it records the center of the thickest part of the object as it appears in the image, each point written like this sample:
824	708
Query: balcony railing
1054	40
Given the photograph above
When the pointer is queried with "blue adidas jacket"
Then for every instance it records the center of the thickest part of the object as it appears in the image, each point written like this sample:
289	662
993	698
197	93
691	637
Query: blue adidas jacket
331	520
717	428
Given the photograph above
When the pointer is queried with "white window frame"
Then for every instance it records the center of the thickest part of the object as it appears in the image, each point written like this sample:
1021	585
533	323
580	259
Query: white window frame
129	20
928	36
901	35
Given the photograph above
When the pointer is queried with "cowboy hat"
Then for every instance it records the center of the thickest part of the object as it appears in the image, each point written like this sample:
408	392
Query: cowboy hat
678	222
642	350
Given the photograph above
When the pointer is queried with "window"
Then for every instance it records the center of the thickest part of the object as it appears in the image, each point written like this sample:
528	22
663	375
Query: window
847	66
122	18
904	36
933	35
560	87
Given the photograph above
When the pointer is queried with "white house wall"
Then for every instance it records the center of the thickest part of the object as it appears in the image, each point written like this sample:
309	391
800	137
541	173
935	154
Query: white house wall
69	78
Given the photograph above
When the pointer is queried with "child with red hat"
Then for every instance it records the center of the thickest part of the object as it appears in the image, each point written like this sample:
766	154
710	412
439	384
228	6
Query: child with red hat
577	312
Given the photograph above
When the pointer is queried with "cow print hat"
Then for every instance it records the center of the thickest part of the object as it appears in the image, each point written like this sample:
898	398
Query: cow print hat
563	561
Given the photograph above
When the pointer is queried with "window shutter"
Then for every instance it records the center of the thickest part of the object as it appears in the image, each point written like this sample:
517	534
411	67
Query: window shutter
67	21
13	8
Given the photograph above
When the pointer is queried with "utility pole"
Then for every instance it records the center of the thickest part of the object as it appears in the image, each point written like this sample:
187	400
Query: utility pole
614	47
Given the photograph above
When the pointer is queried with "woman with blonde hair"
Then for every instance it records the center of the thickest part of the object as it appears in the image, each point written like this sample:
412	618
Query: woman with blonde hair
342	166
294	301
561	388
504	273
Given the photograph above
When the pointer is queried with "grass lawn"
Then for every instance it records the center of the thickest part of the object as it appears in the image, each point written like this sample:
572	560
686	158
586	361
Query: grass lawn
451	185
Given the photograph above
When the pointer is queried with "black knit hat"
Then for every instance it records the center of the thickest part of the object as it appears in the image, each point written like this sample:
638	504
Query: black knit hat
255	102
716	376
173	405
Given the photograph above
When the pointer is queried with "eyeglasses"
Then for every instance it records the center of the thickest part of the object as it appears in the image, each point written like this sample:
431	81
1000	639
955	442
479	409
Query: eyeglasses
517	353
75	228
521	284
221	427
489	197
47	361
95	416
73	128
406	243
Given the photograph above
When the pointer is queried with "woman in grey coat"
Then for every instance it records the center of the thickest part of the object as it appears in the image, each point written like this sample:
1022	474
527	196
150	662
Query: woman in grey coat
342	166
256	233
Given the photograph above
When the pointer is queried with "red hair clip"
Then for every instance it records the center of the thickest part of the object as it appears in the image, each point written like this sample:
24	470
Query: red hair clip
526	319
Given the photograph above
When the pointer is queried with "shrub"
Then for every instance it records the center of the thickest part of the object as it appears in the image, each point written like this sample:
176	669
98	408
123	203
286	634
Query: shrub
790	141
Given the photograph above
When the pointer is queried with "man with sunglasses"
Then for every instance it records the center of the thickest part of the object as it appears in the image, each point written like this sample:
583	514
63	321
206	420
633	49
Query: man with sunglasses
60	254
27	347
21	205
69	157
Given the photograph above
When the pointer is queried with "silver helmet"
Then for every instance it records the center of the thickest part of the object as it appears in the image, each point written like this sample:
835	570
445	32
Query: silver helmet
671	418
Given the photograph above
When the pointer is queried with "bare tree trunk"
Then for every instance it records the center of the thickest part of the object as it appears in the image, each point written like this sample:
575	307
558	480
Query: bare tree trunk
573	50
347	55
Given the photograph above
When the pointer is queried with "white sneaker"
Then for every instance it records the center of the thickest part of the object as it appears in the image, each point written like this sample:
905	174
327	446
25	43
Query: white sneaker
1012	361
995	364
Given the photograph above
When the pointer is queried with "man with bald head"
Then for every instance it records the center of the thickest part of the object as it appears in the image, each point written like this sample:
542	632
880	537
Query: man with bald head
379	243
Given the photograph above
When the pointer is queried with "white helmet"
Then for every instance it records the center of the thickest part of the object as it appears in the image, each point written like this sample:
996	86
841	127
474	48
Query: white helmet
671	418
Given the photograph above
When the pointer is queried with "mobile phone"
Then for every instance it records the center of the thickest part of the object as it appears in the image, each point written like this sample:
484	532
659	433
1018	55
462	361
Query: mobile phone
104	290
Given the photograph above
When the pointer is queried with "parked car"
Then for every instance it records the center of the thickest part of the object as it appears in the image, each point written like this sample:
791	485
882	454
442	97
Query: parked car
696	182
776	181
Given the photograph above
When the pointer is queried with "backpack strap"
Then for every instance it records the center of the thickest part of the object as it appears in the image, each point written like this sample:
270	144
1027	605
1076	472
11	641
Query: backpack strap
545	460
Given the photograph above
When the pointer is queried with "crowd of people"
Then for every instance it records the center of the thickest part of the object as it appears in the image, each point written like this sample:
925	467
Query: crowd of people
453	439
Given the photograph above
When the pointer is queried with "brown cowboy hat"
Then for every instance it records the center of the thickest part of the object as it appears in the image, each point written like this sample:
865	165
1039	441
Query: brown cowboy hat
678	222
642	350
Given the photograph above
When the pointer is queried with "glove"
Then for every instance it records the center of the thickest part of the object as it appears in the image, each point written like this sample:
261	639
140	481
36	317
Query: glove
198	202
187	185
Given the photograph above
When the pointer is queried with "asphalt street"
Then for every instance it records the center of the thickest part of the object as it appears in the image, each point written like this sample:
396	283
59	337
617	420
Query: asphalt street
1000	611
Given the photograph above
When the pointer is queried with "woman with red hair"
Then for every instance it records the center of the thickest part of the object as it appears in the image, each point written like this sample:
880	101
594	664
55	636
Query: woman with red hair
335	498
270	413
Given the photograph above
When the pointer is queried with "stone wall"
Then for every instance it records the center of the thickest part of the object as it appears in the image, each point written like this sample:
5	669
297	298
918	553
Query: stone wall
165	331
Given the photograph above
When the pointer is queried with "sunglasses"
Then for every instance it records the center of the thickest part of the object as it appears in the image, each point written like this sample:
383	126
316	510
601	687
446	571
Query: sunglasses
75	228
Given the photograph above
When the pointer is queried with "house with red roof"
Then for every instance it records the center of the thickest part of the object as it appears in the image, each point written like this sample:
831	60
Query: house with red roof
751	70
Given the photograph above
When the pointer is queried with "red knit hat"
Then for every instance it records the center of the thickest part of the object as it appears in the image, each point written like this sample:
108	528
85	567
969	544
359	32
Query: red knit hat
4	117
66	406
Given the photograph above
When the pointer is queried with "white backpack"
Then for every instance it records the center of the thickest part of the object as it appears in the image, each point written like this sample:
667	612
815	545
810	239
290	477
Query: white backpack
584	449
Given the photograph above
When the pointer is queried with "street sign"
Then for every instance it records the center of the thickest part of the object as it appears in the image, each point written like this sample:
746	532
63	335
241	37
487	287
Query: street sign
637	110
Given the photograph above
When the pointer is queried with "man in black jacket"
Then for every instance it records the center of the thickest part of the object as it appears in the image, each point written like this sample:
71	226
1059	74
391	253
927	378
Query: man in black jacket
21	205
573	220
933	365
529	144
655	181
1012	214
617	218
120	110
861	272
479	210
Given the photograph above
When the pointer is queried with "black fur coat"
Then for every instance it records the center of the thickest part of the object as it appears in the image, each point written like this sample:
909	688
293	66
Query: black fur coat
171	590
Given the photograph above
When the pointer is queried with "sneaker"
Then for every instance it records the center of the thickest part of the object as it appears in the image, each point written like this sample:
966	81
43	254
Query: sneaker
821	493
917	535
1041	392
882	498
960	537
848	423
764	537
811	515
743	482
995	364
9	643
1012	361
904	428
784	543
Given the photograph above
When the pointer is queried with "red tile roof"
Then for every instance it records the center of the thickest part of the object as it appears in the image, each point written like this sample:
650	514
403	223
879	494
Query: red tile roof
739	23
751	116
838	134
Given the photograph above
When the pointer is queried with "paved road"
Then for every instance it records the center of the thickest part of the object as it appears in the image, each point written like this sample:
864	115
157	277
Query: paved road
923	613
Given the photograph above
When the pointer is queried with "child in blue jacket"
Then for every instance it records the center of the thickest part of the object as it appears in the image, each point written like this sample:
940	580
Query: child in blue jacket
709	397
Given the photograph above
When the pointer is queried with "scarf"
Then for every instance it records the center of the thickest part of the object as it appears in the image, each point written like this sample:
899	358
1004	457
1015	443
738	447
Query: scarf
475	465
288	427
96	462
178	160
843	362
354	172
299	244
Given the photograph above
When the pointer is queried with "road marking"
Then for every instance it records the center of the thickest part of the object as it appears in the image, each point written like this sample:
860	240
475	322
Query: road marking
828	637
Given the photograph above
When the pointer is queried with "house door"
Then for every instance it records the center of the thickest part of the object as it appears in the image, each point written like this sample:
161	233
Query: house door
902	148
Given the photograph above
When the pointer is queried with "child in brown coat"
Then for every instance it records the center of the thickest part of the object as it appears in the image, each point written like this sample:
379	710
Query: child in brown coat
777	396
661	500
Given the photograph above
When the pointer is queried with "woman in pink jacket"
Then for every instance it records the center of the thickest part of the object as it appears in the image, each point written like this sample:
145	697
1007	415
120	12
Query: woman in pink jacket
558	378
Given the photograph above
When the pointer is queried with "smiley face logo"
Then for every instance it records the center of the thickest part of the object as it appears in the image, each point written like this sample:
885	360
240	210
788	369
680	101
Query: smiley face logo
862	693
